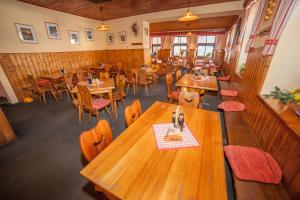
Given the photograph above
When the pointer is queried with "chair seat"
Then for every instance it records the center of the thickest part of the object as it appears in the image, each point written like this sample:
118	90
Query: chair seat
231	106
118	95
174	95
43	82
100	103
230	93
144	83
130	81
224	78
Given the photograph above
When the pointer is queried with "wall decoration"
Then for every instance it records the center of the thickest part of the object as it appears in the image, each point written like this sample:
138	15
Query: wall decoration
26	33
122	37
74	37
89	34
135	28
52	30
110	38
146	31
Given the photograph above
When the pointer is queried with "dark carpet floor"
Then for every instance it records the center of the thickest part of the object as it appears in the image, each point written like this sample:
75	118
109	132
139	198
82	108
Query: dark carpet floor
45	160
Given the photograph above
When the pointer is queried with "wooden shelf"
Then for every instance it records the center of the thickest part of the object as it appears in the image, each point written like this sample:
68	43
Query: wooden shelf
284	113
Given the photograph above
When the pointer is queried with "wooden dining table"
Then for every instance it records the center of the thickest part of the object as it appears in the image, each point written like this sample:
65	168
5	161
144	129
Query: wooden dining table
205	83
105	86
132	166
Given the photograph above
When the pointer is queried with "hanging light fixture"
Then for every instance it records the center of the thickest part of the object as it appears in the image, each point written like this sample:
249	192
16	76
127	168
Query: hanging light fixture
102	26
189	34
188	16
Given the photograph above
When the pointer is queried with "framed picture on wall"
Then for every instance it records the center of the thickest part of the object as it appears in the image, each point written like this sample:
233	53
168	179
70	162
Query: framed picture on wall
74	37
26	33
122	37
89	34
52	30
110	38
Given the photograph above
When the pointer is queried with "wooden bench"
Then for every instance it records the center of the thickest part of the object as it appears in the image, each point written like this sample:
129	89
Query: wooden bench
240	133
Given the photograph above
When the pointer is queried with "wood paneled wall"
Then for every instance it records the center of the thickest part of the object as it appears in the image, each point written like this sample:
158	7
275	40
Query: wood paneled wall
18	65
273	134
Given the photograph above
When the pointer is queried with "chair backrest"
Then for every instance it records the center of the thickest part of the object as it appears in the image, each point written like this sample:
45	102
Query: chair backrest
103	75
178	75
155	67
69	78
82	75
169	82
85	95
95	140
162	68
119	66
142	76
120	83
130	75
189	99
133	112
107	67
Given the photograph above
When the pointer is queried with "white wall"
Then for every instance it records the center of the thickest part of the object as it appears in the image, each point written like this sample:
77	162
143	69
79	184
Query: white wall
284	70
12	11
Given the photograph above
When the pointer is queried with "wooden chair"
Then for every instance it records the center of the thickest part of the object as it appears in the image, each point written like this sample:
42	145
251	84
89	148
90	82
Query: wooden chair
119	94
172	95
103	75
76	102
92	105
133	112
143	81
131	81
189	99
178	75
162	69
119	66
82	75
95	140
42	89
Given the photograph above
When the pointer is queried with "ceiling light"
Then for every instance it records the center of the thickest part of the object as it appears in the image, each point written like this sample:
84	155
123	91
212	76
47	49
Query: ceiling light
188	16
102	27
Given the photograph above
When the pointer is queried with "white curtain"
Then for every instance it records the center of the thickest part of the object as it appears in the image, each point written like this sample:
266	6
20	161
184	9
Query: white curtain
259	13
283	14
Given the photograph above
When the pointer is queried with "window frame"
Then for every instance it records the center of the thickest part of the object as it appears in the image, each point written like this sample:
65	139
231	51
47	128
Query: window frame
155	45
180	44
206	44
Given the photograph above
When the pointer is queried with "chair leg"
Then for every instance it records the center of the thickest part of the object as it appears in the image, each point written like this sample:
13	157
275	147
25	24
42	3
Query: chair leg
97	115
122	100
146	88
133	89
44	98
127	88
68	95
53	95
108	113
115	105
90	116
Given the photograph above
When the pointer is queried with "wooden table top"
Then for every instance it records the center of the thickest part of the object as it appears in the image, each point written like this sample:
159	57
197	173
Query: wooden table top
207	83
132	167
104	85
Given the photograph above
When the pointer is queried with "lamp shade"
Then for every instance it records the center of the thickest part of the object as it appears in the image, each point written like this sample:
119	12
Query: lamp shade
188	16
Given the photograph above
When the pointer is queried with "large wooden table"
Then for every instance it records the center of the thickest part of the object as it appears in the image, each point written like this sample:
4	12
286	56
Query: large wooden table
208	83
133	168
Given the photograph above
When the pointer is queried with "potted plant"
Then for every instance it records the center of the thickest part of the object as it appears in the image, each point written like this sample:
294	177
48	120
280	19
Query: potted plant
242	68
291	97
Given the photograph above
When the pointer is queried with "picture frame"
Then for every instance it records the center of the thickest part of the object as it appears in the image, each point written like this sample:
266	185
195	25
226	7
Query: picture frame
26	33
52	30
122	37
110	38
89	34
74	37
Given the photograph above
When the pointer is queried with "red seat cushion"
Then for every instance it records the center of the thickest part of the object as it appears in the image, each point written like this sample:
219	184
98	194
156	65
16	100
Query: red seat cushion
100	103
43	82
230	93
231	106
224	78
252	164
175	94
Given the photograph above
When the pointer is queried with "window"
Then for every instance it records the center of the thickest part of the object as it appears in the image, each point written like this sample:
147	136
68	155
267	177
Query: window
206	46
180	46
156	44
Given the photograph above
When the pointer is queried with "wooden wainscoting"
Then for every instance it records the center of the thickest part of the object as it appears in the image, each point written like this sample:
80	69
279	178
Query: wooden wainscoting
18	65
274	135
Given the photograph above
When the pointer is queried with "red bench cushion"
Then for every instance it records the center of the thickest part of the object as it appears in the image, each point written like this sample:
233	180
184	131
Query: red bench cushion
230	93
100	103
224	78
231	106
252	164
